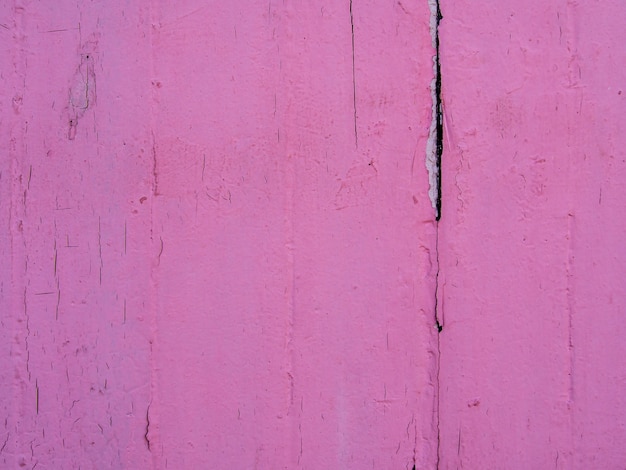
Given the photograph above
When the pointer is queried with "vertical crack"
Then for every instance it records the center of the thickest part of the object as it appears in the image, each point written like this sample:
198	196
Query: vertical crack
100	248
434	147
27	315
151	436
439	325
4	445
434	151
439	109
438	307
146	436
356	135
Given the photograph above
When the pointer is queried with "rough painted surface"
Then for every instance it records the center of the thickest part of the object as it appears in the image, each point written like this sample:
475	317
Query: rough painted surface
218	249
295	284
217	245
531	237
75	267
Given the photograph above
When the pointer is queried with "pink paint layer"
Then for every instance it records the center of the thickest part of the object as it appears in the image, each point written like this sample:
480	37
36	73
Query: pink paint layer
218	251
294	324
530	239
217	245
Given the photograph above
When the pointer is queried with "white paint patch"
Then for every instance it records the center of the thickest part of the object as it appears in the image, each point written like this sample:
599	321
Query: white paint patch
431	144
433	6
431	152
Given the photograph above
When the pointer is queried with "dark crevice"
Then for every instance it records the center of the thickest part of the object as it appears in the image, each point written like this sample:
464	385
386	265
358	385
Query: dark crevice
438	305
439	317
146	436
439	324
439	111
438	411
439	152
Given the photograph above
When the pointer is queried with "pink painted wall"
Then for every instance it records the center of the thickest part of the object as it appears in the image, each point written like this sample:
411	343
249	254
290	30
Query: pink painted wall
76	260
531	237
214	254
218	249
294	289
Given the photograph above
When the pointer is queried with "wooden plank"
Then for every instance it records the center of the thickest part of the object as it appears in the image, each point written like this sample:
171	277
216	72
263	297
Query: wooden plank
532	264
295	323
75	283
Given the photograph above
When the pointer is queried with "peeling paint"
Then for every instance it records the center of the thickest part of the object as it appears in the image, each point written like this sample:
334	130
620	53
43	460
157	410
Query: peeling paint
434	145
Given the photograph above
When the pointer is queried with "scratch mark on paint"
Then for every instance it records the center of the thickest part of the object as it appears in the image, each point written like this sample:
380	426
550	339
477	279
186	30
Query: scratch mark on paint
26	339
100	248
56	314
146	436
56	257
6	441
155	176
356	135
160	251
